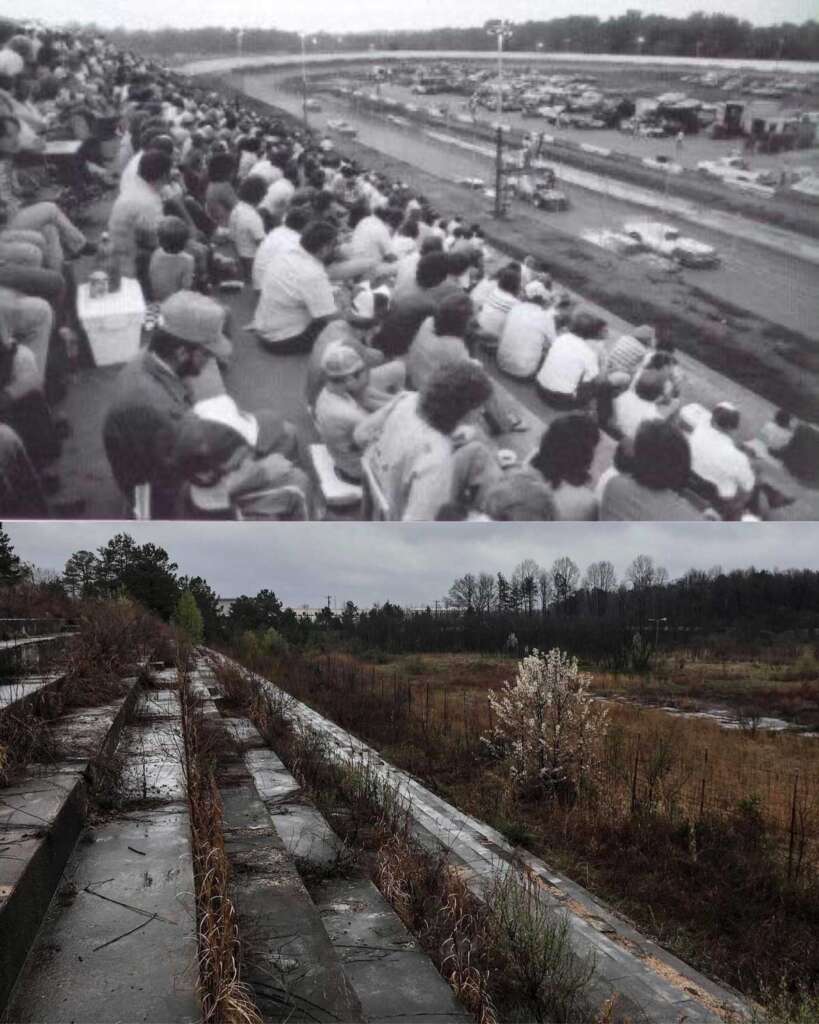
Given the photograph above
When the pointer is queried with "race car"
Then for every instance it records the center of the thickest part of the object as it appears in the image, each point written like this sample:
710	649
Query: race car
342	128
666	240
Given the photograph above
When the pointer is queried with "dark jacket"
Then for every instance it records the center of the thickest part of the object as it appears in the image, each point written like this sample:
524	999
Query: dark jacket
140	429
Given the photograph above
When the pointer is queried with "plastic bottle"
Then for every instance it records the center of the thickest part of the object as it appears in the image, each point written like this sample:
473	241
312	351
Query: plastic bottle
108	261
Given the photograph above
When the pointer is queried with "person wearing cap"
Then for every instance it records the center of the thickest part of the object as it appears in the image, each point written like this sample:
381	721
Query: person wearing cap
150	397
339	407
234	466
386	379
716	459
528	332
297	297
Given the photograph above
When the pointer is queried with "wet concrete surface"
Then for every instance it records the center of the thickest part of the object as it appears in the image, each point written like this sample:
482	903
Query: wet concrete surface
119	942
391	977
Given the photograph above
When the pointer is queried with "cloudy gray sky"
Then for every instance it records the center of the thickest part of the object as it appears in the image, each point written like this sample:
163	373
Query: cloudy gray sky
415	563
357	15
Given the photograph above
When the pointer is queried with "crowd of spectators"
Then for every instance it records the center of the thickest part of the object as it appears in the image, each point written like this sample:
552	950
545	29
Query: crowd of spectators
407	320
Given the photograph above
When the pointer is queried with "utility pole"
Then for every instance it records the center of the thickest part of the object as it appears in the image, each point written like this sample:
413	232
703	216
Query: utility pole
303	37
499	204
501	30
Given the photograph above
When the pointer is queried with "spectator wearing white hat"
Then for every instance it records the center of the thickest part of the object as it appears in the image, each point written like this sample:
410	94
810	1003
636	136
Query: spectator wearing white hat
528	332
716	459
236	464
386	379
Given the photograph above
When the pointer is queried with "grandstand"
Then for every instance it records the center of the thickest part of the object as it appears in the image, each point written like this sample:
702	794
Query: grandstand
298	337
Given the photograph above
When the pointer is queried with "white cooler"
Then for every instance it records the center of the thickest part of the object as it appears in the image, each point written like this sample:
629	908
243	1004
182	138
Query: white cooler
113	322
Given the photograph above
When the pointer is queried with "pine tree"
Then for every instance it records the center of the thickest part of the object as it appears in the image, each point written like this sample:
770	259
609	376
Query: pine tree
12	570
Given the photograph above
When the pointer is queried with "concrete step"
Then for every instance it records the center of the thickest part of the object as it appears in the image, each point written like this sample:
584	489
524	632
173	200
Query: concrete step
649	982
391	975
41	816
119	942
288	959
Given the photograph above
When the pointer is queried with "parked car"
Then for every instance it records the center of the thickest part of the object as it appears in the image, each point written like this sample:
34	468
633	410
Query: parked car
666	240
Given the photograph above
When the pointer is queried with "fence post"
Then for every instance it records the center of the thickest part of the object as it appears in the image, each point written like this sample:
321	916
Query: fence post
634	777
792	838
702	785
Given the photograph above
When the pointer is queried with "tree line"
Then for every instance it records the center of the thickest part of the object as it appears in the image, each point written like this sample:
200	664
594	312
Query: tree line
698	35
588	611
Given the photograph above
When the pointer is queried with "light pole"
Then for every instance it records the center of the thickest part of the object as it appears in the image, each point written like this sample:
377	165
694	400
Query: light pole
640	41
501	30
303	38
240	35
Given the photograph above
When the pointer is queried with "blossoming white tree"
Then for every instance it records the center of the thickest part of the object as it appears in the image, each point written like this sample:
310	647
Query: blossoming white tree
547	725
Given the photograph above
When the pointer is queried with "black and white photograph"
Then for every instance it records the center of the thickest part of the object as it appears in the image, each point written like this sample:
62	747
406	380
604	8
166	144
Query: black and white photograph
351	264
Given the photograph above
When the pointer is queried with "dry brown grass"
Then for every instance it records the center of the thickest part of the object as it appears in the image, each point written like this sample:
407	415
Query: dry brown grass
225	998
703	844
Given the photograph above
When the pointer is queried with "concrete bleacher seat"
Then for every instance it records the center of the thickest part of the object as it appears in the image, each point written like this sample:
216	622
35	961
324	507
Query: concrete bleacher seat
336	493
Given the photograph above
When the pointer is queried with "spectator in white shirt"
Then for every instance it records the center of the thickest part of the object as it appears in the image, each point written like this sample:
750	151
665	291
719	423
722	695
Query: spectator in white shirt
641	403
269	167
716	459
279	240
496	308
372	236
568	377
528	333
277	199
405	241
245	223
297	297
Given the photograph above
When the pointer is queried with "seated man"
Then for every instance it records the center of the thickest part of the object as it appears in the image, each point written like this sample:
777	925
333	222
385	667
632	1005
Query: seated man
386	379
716	459
59	235
528	332
641	403
135	216
297	297
568	377
150	397
340	408
236	466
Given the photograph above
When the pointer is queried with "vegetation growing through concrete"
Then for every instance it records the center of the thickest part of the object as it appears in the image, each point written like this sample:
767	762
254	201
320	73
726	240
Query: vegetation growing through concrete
506	956
225	999
726	880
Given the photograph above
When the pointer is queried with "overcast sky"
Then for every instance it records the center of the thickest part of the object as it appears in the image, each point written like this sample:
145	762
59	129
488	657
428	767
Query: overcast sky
358	15
412	563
